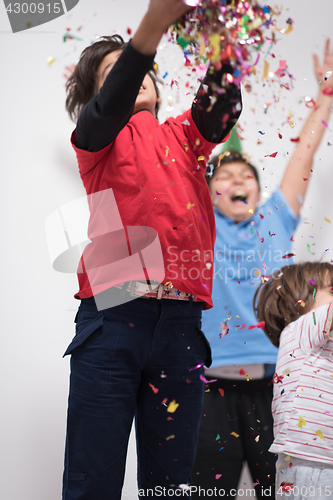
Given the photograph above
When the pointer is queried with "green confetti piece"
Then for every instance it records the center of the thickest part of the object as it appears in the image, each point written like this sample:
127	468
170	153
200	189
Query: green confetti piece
314	319
314	294
308	247
217	437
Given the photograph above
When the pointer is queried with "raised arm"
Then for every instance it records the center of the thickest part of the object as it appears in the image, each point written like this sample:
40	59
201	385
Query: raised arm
111	108
293	184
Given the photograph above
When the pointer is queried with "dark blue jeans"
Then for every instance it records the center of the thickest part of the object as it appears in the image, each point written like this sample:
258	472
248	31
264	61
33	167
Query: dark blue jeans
134	360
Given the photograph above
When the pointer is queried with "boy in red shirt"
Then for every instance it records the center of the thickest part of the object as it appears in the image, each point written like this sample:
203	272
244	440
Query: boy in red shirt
140	358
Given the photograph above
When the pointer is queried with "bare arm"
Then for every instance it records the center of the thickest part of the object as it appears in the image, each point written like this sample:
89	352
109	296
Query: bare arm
299	167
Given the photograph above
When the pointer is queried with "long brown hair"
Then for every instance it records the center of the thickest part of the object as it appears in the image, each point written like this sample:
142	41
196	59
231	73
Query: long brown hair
288	294
82	84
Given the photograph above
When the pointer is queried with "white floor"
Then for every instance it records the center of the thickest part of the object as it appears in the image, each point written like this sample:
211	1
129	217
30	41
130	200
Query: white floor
130	491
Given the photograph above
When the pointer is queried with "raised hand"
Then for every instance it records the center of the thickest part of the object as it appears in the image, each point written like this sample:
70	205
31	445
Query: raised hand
322	70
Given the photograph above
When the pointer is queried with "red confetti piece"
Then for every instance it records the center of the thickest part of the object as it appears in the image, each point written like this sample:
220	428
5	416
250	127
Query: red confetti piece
243	326
328	91
305	179
260	325
292	239
286	486
277	379
261	216
273	155
288	255
290	465
129	31
155	390
242	372
221	391
280	136
295	140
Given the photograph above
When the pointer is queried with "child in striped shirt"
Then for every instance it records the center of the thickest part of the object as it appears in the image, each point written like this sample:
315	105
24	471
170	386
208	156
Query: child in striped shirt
296	306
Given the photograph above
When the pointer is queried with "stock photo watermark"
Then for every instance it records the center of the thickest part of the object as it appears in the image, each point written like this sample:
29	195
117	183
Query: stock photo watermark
24	15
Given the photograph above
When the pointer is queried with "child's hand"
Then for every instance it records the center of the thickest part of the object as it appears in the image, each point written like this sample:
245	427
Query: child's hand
321	71
167	11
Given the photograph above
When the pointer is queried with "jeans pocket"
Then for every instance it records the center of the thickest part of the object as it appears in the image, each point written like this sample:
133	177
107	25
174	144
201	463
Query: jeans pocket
208	361
84	329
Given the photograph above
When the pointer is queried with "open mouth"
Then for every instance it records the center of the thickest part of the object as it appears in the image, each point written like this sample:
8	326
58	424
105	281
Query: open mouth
239	198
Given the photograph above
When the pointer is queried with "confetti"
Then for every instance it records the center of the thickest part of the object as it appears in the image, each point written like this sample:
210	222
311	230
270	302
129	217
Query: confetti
320	434
328	74
190	205
221	31
314	318
172	406
233	433
301	422
288	255
312	282
308	247
170	437
328	91
217	476
260	325
50	60
154	389
207	381
287	486
290	465
196	367
273	155
217	437
327	220
221	391
241	371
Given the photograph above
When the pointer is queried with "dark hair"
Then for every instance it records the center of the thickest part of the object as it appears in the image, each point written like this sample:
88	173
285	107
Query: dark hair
82	84
288	294
229	157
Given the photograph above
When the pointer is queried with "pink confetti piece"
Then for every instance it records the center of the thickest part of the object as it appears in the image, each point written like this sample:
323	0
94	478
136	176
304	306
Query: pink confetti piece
196	367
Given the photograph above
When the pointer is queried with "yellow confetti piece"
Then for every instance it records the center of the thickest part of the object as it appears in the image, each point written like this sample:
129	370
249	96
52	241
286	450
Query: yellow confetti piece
185	146
170	437
234	434
155	67
286	371
302	303
301	422
50	60
201	158
327	220
320	434
215	46
248	378
172	406
266	69
251	210
257	439
190	205
287	457
167	151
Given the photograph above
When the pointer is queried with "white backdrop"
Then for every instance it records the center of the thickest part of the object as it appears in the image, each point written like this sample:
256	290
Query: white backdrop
39	175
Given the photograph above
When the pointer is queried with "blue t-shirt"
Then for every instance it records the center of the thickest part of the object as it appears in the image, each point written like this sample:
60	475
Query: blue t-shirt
243	253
